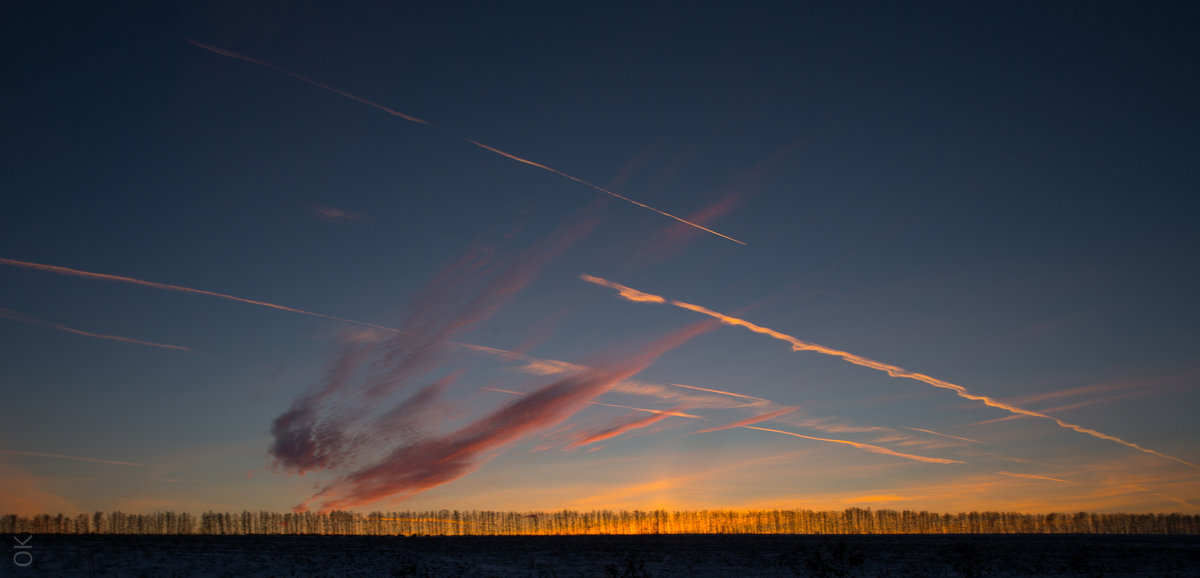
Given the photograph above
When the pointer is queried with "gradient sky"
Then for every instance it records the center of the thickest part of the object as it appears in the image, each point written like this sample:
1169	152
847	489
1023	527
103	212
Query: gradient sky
411	257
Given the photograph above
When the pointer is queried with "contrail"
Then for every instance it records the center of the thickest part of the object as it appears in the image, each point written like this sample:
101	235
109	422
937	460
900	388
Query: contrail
410	118
948	435
892	370
599	188
22	318
232	54
1036	477
868	447
749	421
730	393
75	458
119	279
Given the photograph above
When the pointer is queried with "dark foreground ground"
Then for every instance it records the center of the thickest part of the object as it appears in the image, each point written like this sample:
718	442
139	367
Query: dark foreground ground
678	555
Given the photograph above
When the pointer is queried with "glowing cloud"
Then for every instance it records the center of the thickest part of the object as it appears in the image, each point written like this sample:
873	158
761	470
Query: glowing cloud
729	393
22	318
317	433
931	432
892	370
617	429
750	420
626	292
1037	477
642	409
232	54
665	412
861	446
431	461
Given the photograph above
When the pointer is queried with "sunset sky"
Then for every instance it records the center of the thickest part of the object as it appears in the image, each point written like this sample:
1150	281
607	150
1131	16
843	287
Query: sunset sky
925	256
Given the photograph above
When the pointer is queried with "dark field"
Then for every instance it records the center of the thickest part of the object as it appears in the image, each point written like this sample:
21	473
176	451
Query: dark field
645	555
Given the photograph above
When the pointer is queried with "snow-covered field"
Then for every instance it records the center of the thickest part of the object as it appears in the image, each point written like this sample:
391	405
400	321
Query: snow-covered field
561	556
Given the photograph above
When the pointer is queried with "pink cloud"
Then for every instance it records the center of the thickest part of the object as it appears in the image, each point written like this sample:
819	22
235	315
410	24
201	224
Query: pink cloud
337	215
750	420
612	431
432	461
334	424
22	318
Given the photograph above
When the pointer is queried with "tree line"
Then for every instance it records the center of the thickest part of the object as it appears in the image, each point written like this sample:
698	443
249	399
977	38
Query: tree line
571	522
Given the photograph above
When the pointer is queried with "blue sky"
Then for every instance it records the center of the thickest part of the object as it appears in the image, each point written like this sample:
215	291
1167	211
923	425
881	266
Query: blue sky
999	198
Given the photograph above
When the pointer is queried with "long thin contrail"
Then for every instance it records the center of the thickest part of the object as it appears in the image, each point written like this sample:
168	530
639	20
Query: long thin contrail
232	54
867	447
165	286
76	458
730	393
929	431
22	318
599	188
892	370
410	118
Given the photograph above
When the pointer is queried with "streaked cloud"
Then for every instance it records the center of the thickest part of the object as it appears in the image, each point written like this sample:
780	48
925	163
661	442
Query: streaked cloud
718	391
327	425
619	428
22	318
235	55
337	215
750	420
435	460
953	437
1036	477
168	287
76	458
892	370
868	447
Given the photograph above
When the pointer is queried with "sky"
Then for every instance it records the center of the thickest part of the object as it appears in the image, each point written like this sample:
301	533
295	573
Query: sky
391	256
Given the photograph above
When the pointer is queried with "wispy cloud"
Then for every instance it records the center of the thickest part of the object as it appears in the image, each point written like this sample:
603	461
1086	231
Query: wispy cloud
667	392
168	287
669	412
76	458
892	370
868	447
326	426
1036	477
436	460
22	318
337	215
410	118
235	55
718	391
28	495
619	428
750	420
600	188
1139	384
953	437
